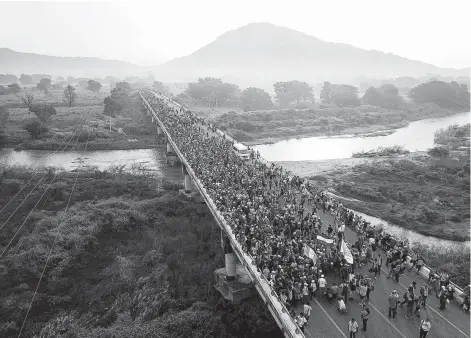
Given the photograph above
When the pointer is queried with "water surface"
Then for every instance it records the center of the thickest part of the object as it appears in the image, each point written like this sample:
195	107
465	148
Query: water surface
417	136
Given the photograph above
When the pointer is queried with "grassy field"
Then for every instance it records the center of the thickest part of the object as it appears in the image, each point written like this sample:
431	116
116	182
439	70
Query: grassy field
132	259
136	133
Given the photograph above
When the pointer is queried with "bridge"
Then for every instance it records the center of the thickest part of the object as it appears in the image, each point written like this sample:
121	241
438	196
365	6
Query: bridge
325	320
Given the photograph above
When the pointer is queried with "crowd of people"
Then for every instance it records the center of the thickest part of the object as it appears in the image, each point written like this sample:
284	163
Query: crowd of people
275	218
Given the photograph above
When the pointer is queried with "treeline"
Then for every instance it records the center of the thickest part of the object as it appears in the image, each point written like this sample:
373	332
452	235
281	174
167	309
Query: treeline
289	94
132	259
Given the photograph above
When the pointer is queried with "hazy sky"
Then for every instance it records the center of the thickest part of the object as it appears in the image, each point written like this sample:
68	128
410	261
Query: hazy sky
149	33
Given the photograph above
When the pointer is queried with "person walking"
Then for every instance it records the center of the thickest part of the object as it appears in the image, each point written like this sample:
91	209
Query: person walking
307	311
352	327
365	313
424	327
393	299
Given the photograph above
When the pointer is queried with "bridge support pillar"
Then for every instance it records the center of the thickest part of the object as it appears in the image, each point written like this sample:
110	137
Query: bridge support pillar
188	182
159	131
169	148
233	281
152	119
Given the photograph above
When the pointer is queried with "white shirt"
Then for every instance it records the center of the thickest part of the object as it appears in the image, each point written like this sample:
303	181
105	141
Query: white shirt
322	282
352	326
307	310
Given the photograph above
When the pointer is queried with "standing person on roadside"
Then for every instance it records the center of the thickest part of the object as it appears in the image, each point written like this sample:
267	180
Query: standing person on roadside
365	313
322	284
424	293
393	299
424	327
443	298
352	327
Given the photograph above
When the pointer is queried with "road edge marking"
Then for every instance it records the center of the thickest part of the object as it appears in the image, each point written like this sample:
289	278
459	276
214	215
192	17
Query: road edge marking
331	319
385	318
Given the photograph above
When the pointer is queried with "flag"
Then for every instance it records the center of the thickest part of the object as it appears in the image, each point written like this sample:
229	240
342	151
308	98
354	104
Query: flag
346	252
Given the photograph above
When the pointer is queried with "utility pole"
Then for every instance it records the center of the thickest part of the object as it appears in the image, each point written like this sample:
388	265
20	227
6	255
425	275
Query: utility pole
110	122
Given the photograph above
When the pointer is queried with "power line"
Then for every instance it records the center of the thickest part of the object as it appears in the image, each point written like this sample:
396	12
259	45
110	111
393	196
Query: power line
27	217
53	244
60	145
4	223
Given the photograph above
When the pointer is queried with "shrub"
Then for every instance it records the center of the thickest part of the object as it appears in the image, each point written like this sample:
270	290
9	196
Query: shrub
439	152
35	128
43	112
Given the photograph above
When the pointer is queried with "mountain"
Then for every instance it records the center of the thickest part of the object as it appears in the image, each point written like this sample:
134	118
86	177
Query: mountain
29	63
260	54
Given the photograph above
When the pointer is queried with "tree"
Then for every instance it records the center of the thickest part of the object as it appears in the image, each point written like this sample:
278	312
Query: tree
287	92
27	98
13	88
26	79
35	128
445	95
37	77
44	112
123	86
117	101
8	78
70	79
69	95
386	96
44	85
160	87
255	99
94	86
212	89
60	78
326	93
339	94
83	83
4	115
132	79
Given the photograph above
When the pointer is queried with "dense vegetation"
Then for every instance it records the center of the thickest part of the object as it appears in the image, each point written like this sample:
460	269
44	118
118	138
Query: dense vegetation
131	260
383	151
431	197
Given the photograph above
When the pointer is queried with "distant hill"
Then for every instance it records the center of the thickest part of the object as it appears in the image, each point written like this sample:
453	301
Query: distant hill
261	53
28	63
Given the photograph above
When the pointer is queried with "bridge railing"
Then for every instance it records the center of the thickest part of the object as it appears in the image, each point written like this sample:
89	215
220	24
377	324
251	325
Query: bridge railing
276	307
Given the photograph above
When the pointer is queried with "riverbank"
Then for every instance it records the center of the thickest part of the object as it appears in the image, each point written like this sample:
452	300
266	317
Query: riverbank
414	191
132	259
265	127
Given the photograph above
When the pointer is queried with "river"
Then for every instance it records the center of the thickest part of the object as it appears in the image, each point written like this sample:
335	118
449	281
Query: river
417	136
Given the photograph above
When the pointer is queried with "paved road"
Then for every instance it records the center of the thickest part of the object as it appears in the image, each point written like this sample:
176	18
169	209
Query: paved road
326	321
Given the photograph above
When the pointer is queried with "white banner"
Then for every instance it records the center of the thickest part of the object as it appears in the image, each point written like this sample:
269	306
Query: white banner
309	252
325	240
346	252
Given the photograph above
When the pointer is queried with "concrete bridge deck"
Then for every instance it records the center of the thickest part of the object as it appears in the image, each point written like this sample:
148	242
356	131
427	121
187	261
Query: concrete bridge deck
325	320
